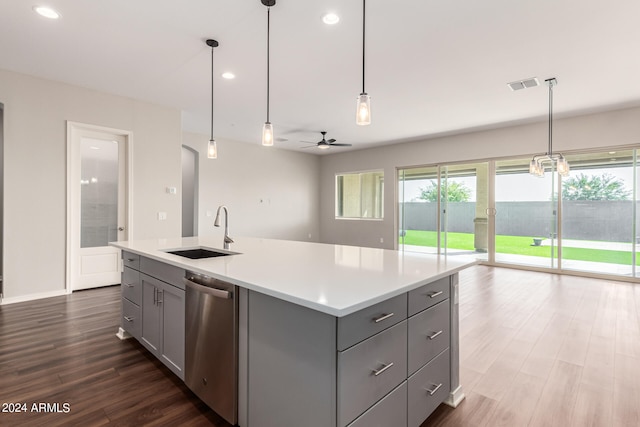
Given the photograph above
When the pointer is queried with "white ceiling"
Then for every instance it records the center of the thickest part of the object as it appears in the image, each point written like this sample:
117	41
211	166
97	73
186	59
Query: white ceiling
433	67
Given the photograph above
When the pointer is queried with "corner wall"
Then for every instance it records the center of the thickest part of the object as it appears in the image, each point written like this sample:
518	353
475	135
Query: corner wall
35	115
270	193
608	129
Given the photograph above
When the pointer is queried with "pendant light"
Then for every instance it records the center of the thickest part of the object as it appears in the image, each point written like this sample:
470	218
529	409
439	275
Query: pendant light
536	167
267	128
212	147
363	110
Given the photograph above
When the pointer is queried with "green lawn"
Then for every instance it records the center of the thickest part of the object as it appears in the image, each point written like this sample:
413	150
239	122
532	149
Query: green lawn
517	245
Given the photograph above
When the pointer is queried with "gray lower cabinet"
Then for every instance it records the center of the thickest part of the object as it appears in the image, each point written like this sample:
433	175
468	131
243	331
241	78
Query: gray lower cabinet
163	322
388	365
153	308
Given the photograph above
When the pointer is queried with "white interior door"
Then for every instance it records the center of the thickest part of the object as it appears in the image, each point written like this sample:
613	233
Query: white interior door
97	205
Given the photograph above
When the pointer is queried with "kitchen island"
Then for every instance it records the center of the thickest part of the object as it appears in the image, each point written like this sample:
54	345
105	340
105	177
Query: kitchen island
329	335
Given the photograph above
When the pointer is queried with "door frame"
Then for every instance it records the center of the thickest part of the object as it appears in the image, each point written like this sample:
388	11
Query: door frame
72	129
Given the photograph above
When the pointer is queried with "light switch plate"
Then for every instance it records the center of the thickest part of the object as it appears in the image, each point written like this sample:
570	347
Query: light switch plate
162	216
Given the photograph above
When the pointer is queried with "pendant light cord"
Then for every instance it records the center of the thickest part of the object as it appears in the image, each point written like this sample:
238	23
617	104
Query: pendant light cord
550	118
268	55
364	2
211	93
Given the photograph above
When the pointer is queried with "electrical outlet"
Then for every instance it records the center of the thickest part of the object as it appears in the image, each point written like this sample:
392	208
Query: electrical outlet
172	190
162	216
381	240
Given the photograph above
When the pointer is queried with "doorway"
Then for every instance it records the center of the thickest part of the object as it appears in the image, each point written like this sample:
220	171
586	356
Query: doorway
98	203
189	192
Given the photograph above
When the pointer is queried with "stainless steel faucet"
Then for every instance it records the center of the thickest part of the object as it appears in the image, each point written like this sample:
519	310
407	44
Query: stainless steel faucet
216	223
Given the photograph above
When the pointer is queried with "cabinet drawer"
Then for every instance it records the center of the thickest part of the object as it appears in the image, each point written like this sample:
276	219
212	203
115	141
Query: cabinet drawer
428	295
390	411
131	260
131	318
428	388
429	334
364	323
165	272
131	287
370	370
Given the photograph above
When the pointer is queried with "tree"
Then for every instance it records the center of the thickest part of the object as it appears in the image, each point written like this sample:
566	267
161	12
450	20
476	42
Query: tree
455	191
603	187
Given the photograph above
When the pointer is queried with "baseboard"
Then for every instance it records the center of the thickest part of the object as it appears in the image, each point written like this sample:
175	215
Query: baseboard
455	397
123	335
31	297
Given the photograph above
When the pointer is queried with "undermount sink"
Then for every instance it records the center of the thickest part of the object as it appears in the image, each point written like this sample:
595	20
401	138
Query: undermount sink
199	253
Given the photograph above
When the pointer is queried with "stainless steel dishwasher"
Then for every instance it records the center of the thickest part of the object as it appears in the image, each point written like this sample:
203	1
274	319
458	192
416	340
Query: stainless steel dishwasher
211	350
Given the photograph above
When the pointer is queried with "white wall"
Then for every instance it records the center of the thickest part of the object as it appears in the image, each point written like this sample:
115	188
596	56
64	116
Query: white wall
609	129
269	192
35	115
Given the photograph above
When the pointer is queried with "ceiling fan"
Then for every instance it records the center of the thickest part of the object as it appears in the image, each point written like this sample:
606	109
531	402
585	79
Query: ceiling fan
324	144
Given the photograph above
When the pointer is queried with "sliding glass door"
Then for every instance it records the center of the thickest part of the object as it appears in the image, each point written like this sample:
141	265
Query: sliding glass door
443	209
598	211
526	210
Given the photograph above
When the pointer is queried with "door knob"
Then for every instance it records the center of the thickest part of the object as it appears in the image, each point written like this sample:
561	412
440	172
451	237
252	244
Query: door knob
120	228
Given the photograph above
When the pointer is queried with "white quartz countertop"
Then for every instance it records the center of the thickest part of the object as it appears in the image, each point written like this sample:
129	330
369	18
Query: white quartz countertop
333	279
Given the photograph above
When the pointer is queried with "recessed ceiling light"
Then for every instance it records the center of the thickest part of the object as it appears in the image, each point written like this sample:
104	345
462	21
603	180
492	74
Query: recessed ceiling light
94	147
330	18
612	152
228	75
47	12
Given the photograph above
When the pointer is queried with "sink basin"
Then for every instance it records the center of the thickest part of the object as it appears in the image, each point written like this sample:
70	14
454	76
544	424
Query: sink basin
198	253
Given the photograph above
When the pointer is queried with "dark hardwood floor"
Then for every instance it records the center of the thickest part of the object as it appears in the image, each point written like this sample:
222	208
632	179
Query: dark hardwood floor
536	350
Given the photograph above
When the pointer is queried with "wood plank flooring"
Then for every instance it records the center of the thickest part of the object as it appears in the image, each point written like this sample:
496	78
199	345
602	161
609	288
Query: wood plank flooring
536	350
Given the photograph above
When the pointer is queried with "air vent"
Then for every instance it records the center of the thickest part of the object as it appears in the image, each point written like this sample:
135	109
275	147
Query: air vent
523	84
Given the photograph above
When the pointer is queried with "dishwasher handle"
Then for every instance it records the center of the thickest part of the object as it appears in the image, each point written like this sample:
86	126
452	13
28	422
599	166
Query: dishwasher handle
218	293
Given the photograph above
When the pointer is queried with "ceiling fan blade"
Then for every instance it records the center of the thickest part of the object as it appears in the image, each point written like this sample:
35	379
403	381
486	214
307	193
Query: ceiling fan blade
310	146
331	141
340	145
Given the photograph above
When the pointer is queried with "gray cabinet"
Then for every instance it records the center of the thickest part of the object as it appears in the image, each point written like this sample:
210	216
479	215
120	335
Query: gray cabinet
388	365
154	308
163	322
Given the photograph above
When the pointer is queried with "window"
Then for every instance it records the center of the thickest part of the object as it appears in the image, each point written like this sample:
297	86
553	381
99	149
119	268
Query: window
360	195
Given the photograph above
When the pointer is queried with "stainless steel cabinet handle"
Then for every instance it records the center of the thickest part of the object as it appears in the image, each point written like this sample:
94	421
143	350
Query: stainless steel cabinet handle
377	372
432	336
435	294
218	293
155	296
129	285
160	294
128	319
131	259
383	317
433	391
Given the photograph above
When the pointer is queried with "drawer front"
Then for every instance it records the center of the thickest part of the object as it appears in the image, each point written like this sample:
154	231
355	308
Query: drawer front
428	295
429	335
131	318
131	287
165	272
370	370
131	260
362	324
390	411
428	388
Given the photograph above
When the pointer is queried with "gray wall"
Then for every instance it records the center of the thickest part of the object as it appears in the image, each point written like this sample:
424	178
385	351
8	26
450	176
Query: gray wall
270	193
35	149
583	220
591	131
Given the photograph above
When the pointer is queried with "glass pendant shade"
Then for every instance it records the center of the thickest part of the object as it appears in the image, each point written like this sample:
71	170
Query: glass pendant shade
533	167
563	166
267	134
212	149
363	113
